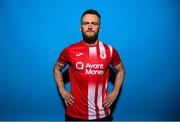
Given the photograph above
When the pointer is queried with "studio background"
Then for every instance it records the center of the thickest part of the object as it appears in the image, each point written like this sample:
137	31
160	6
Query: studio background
145	33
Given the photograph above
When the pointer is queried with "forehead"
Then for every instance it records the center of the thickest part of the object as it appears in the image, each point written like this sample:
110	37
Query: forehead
90	17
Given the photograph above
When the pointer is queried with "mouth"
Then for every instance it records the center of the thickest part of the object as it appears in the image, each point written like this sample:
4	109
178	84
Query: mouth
90	31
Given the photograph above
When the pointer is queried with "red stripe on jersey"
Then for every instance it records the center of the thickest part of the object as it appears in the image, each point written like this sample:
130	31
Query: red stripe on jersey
96	101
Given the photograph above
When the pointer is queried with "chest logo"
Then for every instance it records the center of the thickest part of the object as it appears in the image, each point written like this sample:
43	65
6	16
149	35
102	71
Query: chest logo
79	54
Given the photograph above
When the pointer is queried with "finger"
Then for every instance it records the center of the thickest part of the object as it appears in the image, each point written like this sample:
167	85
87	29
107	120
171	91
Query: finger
106	99
71	97
66	102
70	100
106	103
109	104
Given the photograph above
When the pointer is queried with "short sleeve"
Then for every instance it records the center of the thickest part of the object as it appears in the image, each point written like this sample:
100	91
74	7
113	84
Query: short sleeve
63	57
115	58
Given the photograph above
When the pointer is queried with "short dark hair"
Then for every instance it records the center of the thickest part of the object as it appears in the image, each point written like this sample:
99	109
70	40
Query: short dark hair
91	11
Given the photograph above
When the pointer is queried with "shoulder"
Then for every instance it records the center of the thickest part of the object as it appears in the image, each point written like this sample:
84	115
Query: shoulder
107	46
77	44
72	46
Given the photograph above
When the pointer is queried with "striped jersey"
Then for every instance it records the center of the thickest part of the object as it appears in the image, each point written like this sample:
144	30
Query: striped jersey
89	73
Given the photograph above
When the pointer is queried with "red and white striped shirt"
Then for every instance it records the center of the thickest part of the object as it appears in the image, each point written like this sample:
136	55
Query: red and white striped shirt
89	73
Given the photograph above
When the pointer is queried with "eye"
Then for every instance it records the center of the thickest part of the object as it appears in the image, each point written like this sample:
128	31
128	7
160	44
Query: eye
85	23
94	23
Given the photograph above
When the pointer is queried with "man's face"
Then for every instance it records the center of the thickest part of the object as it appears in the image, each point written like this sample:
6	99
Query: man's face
90	26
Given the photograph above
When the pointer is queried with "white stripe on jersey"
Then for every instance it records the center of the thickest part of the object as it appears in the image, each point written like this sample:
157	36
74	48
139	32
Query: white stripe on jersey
110	48
99	102
92	51
102	50
91	104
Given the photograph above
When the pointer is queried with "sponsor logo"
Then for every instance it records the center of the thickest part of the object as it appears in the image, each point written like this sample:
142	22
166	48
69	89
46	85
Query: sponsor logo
90	69
79	65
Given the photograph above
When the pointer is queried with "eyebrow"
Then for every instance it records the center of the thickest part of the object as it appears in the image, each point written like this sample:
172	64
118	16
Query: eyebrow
94	23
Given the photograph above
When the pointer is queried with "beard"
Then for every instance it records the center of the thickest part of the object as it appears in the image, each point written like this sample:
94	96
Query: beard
90	39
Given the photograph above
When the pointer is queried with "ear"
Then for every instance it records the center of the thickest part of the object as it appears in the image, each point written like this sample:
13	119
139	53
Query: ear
99	28
80	28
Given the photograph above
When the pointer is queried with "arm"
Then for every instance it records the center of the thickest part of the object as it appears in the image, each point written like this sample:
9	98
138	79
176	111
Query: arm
111	97
68	98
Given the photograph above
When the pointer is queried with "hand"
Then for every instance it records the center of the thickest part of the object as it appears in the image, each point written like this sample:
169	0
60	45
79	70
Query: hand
109	99
68	98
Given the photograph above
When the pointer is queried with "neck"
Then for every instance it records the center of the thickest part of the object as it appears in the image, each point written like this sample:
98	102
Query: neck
91	43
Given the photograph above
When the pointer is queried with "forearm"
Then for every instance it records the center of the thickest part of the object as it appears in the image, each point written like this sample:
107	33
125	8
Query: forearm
111	97
59	77
118	81
119	78
68	98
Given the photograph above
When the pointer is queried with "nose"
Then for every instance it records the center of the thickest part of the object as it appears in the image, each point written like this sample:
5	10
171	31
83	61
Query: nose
89	25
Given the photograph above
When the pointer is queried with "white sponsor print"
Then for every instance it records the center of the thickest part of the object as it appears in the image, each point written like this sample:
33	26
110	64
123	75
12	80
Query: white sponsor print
91	69
79	65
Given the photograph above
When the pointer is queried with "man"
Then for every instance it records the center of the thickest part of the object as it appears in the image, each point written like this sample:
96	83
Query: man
89	62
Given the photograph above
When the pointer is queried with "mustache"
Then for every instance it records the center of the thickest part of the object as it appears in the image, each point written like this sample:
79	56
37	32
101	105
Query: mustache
89	31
